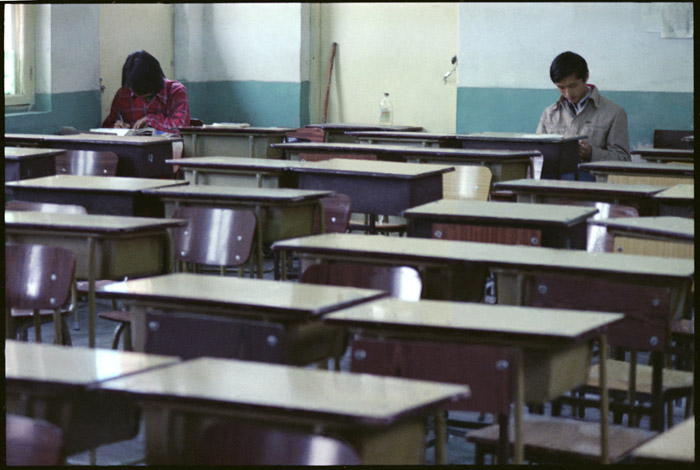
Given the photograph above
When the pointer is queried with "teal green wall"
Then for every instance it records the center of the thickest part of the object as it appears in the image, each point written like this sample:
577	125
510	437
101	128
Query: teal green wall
264	104
519	110
79	109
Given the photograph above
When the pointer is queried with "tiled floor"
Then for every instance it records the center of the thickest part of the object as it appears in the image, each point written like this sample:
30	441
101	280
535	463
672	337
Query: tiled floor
459	452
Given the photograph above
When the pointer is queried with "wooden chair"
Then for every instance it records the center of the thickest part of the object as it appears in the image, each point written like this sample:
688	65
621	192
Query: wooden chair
87	162
467	182
671	139
213	237
242	443
32	442
337	210
38	282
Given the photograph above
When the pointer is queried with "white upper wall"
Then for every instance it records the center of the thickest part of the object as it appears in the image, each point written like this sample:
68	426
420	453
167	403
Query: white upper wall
74	48
511	45
239	41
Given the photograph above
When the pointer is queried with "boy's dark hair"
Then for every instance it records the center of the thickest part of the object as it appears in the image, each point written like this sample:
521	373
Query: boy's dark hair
567	64
142	73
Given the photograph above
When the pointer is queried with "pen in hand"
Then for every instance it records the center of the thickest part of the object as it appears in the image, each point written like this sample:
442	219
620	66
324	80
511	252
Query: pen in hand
120	123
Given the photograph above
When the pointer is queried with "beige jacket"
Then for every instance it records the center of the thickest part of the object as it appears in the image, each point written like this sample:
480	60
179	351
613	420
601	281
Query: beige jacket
604	122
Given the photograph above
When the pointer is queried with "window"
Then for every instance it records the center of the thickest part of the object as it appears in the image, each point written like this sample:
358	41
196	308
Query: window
19	55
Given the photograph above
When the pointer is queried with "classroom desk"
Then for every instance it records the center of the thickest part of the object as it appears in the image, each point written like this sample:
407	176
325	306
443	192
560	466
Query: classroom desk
640	172
139	156
108	195
549	225
336	132
383	418
549	341
281	213
22	163
252	142
504	164
674	446
422	139
659	236
666	155
677	200
560	152
238	171
544	191
525	276
53	383
105	246
239	318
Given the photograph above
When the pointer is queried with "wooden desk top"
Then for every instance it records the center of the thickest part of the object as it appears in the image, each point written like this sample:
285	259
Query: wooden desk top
335	126
546	327
93	138
669	169
73	366
209	129
22	153
373	168
676	445
237	163
93	184
523	258
233	193
674	227
520	137
251	295
86	223
501	213
356	399
685	192
402	135
411	151
579	187
653	152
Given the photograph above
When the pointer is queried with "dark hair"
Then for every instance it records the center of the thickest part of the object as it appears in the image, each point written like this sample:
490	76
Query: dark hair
567	64
142	73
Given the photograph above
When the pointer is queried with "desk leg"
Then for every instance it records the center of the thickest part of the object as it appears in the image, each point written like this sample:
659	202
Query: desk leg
251	146
259	235
169	252
91	292
322	217
440	438
519	448
604	413
283	264
194	145
656	360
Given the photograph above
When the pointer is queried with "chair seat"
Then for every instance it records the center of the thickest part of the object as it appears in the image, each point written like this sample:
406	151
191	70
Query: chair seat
556	439
684	328
82	286
618	373
45	314
121	316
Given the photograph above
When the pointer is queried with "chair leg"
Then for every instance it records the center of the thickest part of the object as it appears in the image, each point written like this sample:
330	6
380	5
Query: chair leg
117	334
126	335
66	340
37	325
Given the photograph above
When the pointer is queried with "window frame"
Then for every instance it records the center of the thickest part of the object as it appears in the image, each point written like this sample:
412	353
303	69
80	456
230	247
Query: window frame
24	18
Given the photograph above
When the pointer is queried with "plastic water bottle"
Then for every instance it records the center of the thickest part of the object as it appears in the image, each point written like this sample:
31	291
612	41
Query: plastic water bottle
385	111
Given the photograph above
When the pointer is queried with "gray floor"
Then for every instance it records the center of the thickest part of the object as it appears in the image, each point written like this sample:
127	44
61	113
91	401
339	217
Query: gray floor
459	452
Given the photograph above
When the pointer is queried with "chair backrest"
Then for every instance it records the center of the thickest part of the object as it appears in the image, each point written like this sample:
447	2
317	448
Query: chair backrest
671	139
242	443
307	134
44	207
337	210
38	276
32	442
402	282
214	236
87	162
467	182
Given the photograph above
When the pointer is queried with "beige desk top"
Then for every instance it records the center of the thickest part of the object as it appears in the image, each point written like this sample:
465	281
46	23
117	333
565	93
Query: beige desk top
674	227
94	183
368	400
249	295
578	187
422	250
520	137
19	153
452	210
109	138
74	366
607	167
236	163
679	191
242	131
342	126
676	445
238	193
372	168
86	223
662	151
546	327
